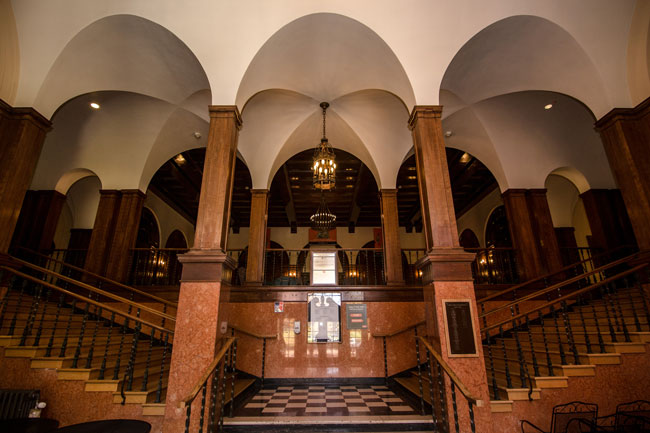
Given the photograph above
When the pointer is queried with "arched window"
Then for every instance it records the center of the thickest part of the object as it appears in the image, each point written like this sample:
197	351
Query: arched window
497	233
148	233
468	239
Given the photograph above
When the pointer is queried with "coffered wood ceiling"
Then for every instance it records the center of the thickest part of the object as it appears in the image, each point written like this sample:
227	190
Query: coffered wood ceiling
354	201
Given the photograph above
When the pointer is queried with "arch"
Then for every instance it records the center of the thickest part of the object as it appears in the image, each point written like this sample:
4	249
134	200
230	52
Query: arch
468	239
497	232
562	196
83	200
122	52
176	239
511	55
638	53
9	54
296	58
574	175
73	176
148	230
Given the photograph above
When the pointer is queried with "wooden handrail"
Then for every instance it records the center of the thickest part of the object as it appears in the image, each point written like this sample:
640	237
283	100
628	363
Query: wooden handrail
570	295
160	249
96	290
85	299
452	376
553	287
115	283
399	331
253	334
208	371
564	269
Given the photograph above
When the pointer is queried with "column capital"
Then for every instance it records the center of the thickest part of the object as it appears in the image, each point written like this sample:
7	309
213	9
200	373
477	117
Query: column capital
388	191
618	114
424	111
259	191
203	265
226	111
25	113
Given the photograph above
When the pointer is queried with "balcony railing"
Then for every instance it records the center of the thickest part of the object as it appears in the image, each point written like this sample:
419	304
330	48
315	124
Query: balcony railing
357	267
412	275
155	267
494	266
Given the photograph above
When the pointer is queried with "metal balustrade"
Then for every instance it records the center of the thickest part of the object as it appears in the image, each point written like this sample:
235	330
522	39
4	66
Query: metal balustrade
155	266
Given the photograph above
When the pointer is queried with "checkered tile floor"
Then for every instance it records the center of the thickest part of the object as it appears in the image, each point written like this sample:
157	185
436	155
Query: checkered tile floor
329	400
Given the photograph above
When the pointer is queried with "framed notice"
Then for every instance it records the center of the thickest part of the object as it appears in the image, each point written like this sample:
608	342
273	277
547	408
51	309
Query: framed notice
459	329
324	318
324	268
357	316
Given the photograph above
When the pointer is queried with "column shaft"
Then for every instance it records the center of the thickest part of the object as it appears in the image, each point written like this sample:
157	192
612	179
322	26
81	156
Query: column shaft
392	247
22	132
102	235
257	237
125	234
626	138
38	220
608	220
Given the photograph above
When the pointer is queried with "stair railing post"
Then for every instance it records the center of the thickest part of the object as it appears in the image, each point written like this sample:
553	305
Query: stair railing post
454	405
612	333
91	351
116	370
612	305
617	304
505	358
202	416
80	338
443	400
418	361
532	347
145	378
495	388
584	325
39	331
433	406
134	350
383	338
557	334
520	354
549	362
162	369
64	344
233	369
569	333
263	358
102	368
223	391
50	343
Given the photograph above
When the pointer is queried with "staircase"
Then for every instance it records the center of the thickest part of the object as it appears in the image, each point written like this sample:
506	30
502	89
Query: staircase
564	331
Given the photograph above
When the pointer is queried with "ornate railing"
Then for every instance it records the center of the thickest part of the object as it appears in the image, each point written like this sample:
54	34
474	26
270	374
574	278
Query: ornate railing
357	267
155	266
494	266
214	384
114	337
439	375
569	320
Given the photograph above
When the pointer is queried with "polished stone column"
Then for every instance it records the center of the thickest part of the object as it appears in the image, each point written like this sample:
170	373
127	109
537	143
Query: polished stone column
446	266
392	247
626	138
22	132
125	234
101	238
532	232
257	237
38	219
608	220
202	304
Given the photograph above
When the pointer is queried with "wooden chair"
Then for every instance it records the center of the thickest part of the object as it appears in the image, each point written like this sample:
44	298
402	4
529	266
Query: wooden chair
567	418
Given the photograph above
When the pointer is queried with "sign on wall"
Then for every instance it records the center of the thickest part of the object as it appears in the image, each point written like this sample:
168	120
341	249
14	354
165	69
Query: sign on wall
324	268
459	329
357	316
324	321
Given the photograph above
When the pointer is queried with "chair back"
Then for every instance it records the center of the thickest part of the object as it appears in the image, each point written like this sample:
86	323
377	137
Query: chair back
633	414
564	413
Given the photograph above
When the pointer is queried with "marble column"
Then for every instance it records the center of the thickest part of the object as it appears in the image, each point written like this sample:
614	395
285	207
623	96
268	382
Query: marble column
202	304
257	237
608	220
125	234
532	232
626	138
446	266
392	247
38	219
22	132
101	238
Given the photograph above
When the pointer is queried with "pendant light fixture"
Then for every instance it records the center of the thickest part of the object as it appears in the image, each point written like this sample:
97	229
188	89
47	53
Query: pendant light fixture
324	161
323	220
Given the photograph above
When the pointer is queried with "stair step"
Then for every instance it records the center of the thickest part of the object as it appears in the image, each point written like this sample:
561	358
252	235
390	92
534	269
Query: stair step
153	409
500	406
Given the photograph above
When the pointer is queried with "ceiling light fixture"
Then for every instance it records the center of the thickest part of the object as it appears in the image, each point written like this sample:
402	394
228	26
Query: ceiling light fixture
180	159
548	106
95	105
324	161
322	221
465	158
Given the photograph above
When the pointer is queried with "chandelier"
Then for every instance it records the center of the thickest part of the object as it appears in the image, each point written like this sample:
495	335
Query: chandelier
324	162
323	220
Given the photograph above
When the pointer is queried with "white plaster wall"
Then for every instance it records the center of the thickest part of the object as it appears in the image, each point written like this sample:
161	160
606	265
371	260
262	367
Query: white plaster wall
168	219
476	218
581	224
83	200
562	197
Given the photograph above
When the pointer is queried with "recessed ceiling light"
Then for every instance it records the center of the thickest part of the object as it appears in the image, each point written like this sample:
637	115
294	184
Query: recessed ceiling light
448	133
94	105
180	159
548	106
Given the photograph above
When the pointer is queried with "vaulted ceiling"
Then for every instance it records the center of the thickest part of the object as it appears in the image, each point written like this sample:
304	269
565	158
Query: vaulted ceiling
292	198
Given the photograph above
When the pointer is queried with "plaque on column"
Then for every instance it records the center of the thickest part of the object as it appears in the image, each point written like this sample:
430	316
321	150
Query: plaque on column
459	327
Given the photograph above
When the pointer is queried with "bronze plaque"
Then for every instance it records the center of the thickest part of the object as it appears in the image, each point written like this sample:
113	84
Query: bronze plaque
461	338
